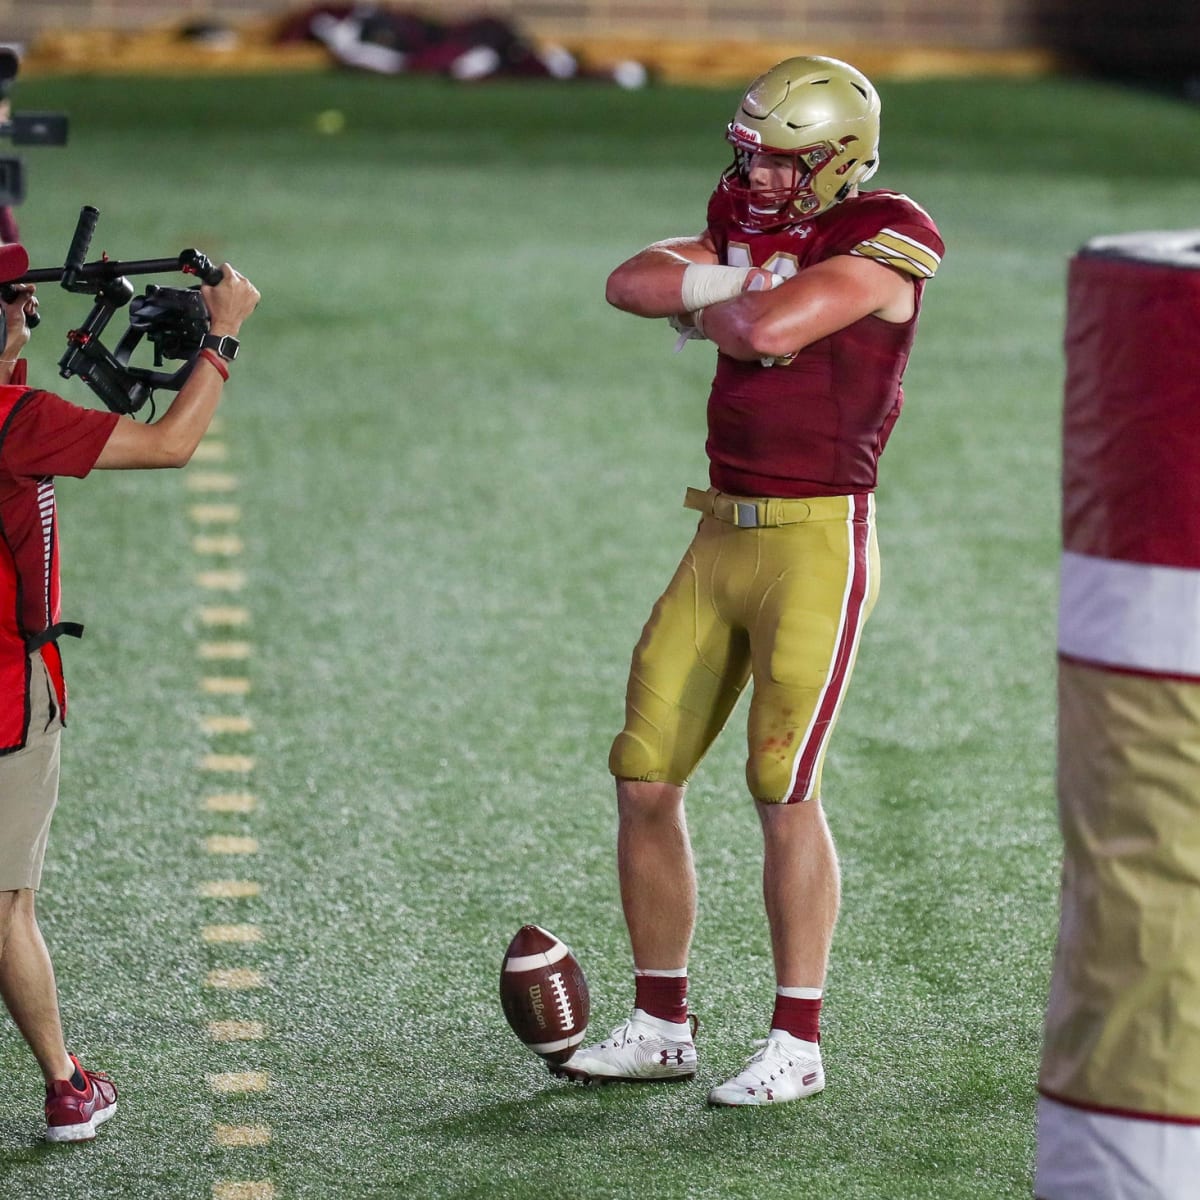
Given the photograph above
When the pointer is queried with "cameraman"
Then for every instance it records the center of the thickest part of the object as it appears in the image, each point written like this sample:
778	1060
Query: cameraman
41	436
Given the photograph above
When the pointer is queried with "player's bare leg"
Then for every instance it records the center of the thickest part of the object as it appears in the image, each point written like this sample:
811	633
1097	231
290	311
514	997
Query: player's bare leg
27	984
658	894
802	890
656	873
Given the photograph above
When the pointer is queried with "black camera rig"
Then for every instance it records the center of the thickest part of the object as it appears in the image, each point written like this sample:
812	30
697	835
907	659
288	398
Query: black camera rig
172	320
23	129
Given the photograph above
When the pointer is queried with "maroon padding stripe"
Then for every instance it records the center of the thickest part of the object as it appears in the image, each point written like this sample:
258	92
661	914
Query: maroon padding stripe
1131	441
860	532
1141	673
1130	1113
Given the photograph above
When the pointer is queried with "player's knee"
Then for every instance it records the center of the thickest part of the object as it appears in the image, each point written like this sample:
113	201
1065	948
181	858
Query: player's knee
633	757
643	804
763	793
774	782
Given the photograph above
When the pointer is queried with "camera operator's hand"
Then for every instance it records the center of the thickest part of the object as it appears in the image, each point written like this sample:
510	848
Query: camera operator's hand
230	302
16	326
172	439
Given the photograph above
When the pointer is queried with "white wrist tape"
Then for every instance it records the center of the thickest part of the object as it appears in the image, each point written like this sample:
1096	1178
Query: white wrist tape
705	284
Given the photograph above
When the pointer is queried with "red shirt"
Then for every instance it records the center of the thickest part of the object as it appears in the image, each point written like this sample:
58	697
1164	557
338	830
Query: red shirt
816	423
41	435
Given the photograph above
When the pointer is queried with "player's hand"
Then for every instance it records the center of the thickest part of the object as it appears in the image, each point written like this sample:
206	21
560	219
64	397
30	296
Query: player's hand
684	324
761	280
230	302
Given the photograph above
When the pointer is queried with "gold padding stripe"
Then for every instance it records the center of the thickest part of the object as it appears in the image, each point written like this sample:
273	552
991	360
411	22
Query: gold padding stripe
904	253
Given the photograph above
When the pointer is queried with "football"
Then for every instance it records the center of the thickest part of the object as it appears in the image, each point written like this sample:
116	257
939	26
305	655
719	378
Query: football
544	994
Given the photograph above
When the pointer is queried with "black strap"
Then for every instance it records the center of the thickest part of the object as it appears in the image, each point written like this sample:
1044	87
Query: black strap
62	629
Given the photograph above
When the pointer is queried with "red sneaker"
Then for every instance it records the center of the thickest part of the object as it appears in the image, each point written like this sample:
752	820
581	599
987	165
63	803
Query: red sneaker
72	1115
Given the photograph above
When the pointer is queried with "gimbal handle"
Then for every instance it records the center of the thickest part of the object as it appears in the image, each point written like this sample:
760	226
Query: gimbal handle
88	277
78	276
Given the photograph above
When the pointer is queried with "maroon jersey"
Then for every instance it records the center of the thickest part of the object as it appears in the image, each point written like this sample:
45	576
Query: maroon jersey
41	436
814	424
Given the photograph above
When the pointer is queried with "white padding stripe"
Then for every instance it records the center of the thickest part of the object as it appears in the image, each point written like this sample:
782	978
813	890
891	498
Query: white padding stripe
531	962
1105	1157
561	1044
1132	615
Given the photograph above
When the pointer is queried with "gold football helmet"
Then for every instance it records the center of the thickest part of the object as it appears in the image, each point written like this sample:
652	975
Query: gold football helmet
823	115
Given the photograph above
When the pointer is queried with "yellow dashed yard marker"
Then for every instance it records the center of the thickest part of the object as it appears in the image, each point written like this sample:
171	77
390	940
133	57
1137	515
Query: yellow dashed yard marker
235	764
224	685
260	1189
211	481
241	1135
215	514
230	889
235	979
220	843
209	543
237	1031
224	615
230	1083
231	933
235	802
221	581
218	543
218	724
211	452
230	651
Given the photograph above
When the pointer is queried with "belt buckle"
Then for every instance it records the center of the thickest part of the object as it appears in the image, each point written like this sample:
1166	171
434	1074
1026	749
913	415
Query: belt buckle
745	514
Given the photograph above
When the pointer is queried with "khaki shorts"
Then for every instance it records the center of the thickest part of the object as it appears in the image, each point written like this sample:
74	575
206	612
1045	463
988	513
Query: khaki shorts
29	787
781	602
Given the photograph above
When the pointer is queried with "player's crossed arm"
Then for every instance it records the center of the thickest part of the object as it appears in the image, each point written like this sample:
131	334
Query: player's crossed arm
815	303
679	276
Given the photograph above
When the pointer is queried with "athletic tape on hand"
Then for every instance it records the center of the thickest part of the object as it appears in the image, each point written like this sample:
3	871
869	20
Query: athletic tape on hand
705	284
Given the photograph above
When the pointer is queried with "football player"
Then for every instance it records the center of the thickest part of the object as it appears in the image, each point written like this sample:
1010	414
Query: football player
810	289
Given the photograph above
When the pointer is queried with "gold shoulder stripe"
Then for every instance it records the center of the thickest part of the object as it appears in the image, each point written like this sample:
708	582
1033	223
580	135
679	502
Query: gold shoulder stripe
904	253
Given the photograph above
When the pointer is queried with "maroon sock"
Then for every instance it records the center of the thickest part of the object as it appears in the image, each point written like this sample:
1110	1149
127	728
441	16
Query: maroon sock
662	996
800	1018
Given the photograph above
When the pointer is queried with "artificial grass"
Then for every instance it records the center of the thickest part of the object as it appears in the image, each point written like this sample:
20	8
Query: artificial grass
460	477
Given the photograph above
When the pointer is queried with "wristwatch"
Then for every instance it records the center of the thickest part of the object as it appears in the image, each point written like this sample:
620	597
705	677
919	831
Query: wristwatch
225	346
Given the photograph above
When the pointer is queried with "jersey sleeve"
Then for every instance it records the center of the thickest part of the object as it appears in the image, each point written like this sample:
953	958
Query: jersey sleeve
48	435
901	235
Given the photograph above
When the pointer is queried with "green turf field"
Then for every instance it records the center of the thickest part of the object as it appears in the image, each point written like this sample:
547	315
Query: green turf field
460	478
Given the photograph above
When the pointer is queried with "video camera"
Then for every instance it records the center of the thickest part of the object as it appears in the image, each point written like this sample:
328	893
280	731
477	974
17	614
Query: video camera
173	320
24	129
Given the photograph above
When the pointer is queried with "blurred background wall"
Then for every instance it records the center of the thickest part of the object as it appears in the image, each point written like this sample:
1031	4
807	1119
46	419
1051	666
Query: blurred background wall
984	23
1157	41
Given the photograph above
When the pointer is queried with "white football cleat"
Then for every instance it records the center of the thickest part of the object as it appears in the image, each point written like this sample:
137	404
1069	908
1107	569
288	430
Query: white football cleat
644	1049
785	1068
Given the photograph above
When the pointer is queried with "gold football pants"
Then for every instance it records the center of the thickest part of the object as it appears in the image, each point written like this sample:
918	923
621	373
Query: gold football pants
772	590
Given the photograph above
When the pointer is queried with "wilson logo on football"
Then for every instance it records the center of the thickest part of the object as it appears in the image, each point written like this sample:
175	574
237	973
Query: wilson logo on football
536	1005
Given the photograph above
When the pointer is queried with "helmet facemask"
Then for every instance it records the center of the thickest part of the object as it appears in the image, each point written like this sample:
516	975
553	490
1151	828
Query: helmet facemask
764	209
